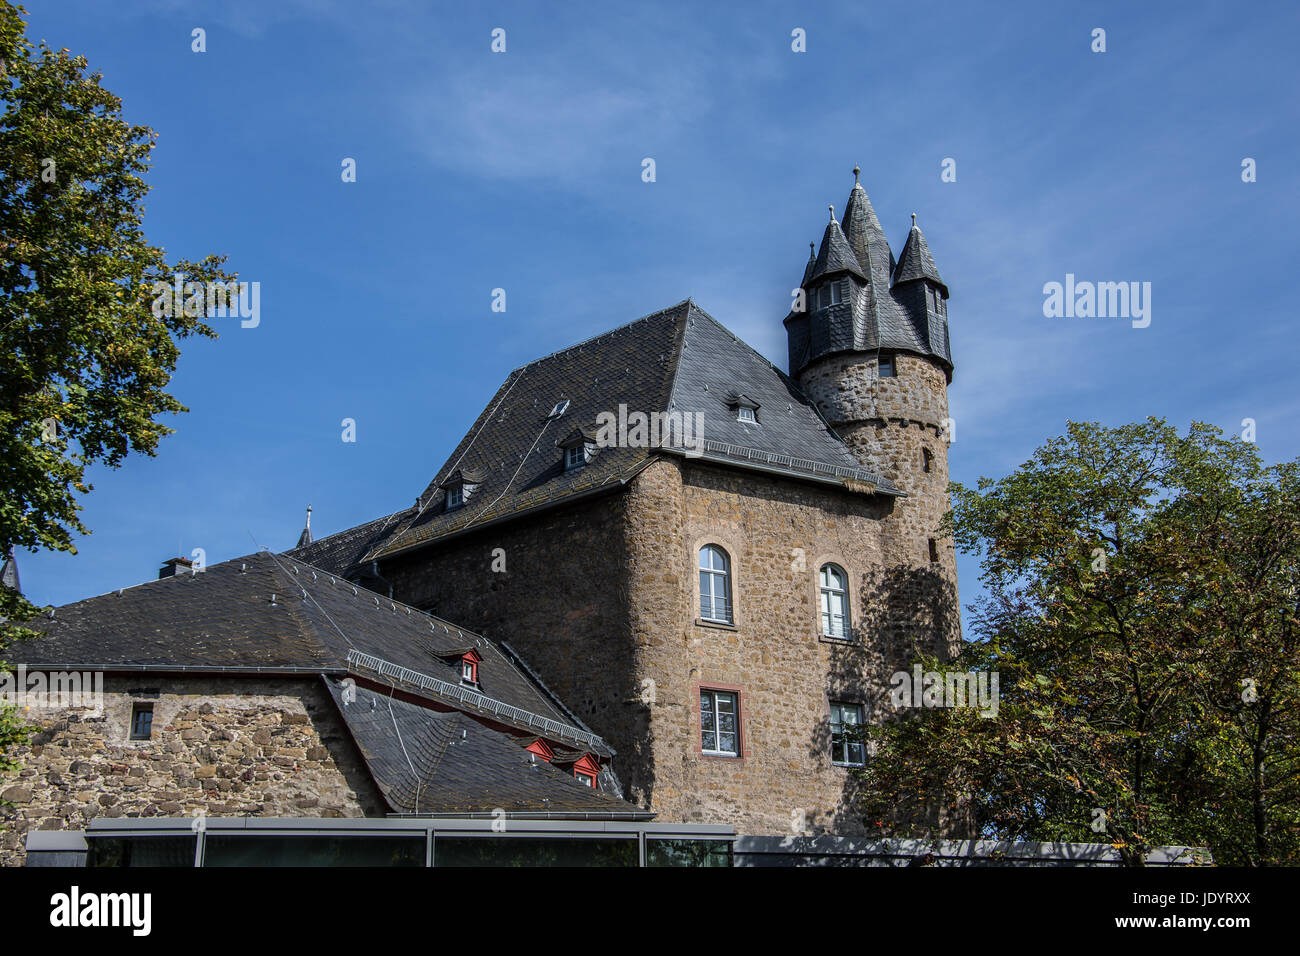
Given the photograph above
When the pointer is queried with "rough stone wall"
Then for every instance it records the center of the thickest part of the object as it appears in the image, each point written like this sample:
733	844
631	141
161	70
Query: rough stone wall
223	746
600	598
778	534
891	423
557	593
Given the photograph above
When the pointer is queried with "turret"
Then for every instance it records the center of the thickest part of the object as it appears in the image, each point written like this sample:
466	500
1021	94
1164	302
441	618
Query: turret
870	347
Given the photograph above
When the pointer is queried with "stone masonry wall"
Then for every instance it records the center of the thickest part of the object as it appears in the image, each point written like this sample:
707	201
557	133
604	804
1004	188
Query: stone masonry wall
223	746
891	423
778	534
557	593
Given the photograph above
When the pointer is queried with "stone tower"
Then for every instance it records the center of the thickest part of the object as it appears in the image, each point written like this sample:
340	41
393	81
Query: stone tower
869	345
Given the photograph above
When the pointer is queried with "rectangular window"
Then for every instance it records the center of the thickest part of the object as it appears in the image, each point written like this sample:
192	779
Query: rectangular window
141	721
886	366
575	457
719	723
745	414
846	750
454	497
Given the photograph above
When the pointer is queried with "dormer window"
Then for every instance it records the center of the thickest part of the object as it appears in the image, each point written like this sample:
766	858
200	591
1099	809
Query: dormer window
938	301
540	748
743	407
579	448
459	486
468	660
586	770
577	456
560	408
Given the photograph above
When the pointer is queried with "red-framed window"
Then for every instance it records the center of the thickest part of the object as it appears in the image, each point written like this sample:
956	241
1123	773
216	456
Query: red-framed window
469	663
587	770
541	749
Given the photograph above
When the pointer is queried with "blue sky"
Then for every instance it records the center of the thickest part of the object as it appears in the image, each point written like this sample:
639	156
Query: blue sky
522	171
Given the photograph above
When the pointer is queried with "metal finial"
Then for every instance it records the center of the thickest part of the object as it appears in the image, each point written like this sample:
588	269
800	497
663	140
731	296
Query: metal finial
832	209
811	253
856	170
309	511
913	220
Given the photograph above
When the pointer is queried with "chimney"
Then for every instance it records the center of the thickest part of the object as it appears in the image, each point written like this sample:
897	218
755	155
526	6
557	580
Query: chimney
174	566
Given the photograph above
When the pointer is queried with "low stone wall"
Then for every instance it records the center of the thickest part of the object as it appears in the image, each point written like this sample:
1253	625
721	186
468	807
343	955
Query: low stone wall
219	747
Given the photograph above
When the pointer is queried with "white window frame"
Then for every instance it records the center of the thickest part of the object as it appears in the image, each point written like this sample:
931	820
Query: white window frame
719	585
855	752
746	414
455	496
828	591
575	456
716	728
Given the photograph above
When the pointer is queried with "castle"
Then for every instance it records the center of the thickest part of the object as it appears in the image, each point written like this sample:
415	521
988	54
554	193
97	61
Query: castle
718	608
572	622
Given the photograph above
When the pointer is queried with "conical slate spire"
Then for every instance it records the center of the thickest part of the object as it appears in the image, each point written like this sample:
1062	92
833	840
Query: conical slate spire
305	537
894	306
9	574
835	254
865	236
812	262
916	261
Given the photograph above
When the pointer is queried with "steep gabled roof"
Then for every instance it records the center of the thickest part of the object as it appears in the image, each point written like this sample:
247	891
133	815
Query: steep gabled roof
676	361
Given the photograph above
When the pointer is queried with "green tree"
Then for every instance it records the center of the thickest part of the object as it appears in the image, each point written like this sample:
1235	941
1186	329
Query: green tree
1141	615
84	359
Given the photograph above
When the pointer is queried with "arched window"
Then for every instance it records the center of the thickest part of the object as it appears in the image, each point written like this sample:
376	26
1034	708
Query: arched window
835	601
715	584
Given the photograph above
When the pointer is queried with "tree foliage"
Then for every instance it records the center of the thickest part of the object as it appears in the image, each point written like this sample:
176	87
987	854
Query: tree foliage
1142	615
84	361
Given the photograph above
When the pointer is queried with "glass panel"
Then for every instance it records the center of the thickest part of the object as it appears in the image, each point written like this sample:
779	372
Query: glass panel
313	850
527	851
141	851
687	852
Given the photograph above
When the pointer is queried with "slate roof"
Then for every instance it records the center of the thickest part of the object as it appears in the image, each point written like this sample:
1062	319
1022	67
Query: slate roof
224	618
915	261
835	256
425	761
271	615
884	311
679	360
345	549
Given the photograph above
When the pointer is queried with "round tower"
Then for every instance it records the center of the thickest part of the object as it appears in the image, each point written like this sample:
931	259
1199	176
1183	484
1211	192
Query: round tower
870	348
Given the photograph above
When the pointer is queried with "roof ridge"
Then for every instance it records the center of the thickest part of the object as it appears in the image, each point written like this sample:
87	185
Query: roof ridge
587	341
